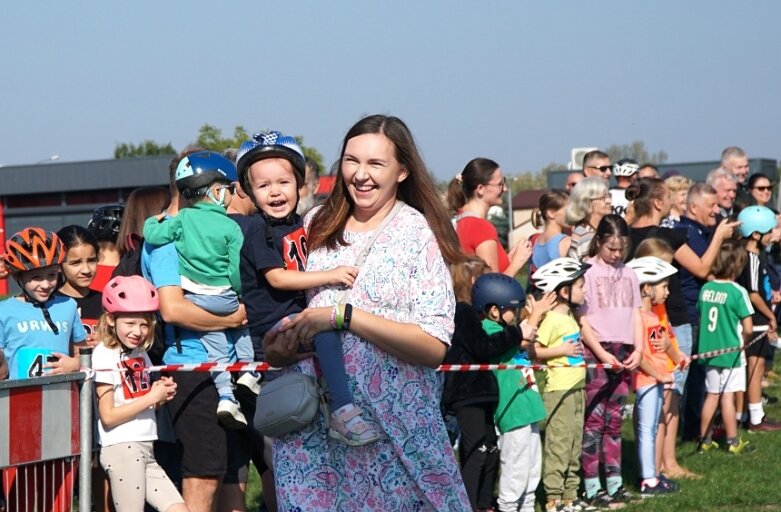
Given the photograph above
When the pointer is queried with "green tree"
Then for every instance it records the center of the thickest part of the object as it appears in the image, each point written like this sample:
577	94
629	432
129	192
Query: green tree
144	148
210	137
637	151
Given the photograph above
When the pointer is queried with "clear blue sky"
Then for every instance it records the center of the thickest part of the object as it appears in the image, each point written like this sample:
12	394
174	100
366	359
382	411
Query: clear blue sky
519	82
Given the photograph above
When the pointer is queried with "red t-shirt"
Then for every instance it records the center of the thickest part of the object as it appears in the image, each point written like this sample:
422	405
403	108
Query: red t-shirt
472	231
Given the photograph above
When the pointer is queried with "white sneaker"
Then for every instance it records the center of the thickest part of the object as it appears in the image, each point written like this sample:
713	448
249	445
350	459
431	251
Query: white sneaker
251	381
229	413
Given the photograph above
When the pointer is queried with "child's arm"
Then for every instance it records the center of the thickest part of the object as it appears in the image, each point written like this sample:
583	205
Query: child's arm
590	340
748	329
234	256
282	279
111	416
565	349
633	361
760	306
3	366
648	369
536	310
161	233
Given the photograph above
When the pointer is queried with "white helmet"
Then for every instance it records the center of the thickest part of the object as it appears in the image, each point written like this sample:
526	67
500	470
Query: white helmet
625	167
558	272
651	269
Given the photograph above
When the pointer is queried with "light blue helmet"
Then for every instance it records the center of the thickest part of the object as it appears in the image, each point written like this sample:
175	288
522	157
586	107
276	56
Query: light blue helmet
756	219
198	170
271	144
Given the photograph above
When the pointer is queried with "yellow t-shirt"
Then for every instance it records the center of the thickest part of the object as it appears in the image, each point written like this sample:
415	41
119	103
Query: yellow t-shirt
555	329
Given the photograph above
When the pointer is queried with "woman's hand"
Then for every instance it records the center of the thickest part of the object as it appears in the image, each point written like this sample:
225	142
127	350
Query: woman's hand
280	346
633	361
520	253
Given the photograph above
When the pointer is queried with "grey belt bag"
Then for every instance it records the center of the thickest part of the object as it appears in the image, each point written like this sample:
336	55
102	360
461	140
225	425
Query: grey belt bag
286	404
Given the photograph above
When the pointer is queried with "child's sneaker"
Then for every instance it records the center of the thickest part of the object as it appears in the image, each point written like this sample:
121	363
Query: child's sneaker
663	487
603	501
579	505
555	506
251	381
229	413
622	495
348	426
741	447
706	446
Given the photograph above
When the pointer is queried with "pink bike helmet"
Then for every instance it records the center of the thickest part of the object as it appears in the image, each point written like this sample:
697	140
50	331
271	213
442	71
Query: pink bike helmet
132	294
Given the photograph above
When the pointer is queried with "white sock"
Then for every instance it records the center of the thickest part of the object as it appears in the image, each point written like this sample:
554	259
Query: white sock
651	482
756	413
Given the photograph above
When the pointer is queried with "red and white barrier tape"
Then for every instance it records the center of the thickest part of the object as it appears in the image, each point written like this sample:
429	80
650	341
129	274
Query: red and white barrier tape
262	367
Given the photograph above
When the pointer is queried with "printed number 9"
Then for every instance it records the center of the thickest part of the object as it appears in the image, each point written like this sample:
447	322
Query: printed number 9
713	316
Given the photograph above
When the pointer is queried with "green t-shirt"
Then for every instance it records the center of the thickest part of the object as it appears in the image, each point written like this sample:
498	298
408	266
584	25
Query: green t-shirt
722	305
520	403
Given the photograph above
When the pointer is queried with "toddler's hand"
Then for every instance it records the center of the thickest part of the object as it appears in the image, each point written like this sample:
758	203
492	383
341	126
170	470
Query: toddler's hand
343	275
685	362
573	349
541	306
63	364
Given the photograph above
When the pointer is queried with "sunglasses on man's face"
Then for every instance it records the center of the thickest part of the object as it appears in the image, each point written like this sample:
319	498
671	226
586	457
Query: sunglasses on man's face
602	168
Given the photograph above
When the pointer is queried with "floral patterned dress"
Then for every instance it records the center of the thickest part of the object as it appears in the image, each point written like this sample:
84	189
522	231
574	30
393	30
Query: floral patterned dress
412	466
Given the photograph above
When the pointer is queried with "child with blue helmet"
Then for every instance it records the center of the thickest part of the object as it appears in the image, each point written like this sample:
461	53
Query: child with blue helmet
500	299
271	167
756	222
208	244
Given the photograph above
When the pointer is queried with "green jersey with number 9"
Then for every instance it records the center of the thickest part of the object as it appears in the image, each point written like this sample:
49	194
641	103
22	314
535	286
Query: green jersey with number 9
722	305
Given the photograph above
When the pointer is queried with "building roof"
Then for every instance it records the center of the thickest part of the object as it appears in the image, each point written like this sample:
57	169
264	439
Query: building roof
527	199
88	175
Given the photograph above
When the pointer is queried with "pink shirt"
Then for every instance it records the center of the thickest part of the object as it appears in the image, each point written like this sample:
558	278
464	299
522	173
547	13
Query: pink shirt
612	295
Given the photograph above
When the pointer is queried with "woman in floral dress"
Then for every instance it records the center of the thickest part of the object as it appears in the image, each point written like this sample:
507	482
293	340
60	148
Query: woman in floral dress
401	324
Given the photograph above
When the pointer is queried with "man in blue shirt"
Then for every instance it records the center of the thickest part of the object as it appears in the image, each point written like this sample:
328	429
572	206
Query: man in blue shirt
698	223
203	442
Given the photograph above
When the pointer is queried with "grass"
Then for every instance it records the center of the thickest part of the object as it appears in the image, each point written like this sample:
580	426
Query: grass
729	483
749	481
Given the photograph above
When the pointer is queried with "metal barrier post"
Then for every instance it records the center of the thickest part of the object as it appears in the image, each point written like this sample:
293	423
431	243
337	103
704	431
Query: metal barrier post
85	429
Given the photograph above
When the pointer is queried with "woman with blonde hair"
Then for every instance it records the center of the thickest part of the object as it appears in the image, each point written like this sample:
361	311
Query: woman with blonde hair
679	189
588	203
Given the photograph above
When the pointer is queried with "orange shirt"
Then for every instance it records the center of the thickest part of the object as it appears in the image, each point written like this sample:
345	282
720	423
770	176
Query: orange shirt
653	330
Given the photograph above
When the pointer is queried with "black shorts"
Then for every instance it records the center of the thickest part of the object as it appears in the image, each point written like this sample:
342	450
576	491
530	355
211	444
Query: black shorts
246	444
761	348
201	440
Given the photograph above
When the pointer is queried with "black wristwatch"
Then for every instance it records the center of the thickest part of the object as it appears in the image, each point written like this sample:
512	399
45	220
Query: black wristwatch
348	315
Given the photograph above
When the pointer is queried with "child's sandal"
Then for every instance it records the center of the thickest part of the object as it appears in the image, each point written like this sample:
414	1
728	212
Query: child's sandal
359	432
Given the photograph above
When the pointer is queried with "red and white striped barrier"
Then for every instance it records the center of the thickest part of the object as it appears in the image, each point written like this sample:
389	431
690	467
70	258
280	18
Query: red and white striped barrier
263	367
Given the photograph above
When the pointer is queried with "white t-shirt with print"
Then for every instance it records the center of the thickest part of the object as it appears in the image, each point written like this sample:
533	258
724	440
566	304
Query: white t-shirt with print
129	383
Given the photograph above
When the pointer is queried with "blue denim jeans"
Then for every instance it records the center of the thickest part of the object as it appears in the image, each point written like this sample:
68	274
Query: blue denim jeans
683	333
226	346
648	407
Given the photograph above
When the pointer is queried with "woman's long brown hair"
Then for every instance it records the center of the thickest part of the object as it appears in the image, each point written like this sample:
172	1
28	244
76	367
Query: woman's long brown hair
417	190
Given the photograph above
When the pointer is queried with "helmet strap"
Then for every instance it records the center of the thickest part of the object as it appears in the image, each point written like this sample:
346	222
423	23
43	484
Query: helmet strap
39	305
220	201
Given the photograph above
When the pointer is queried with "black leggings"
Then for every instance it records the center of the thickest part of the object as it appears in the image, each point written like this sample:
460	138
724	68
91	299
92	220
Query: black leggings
478	452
